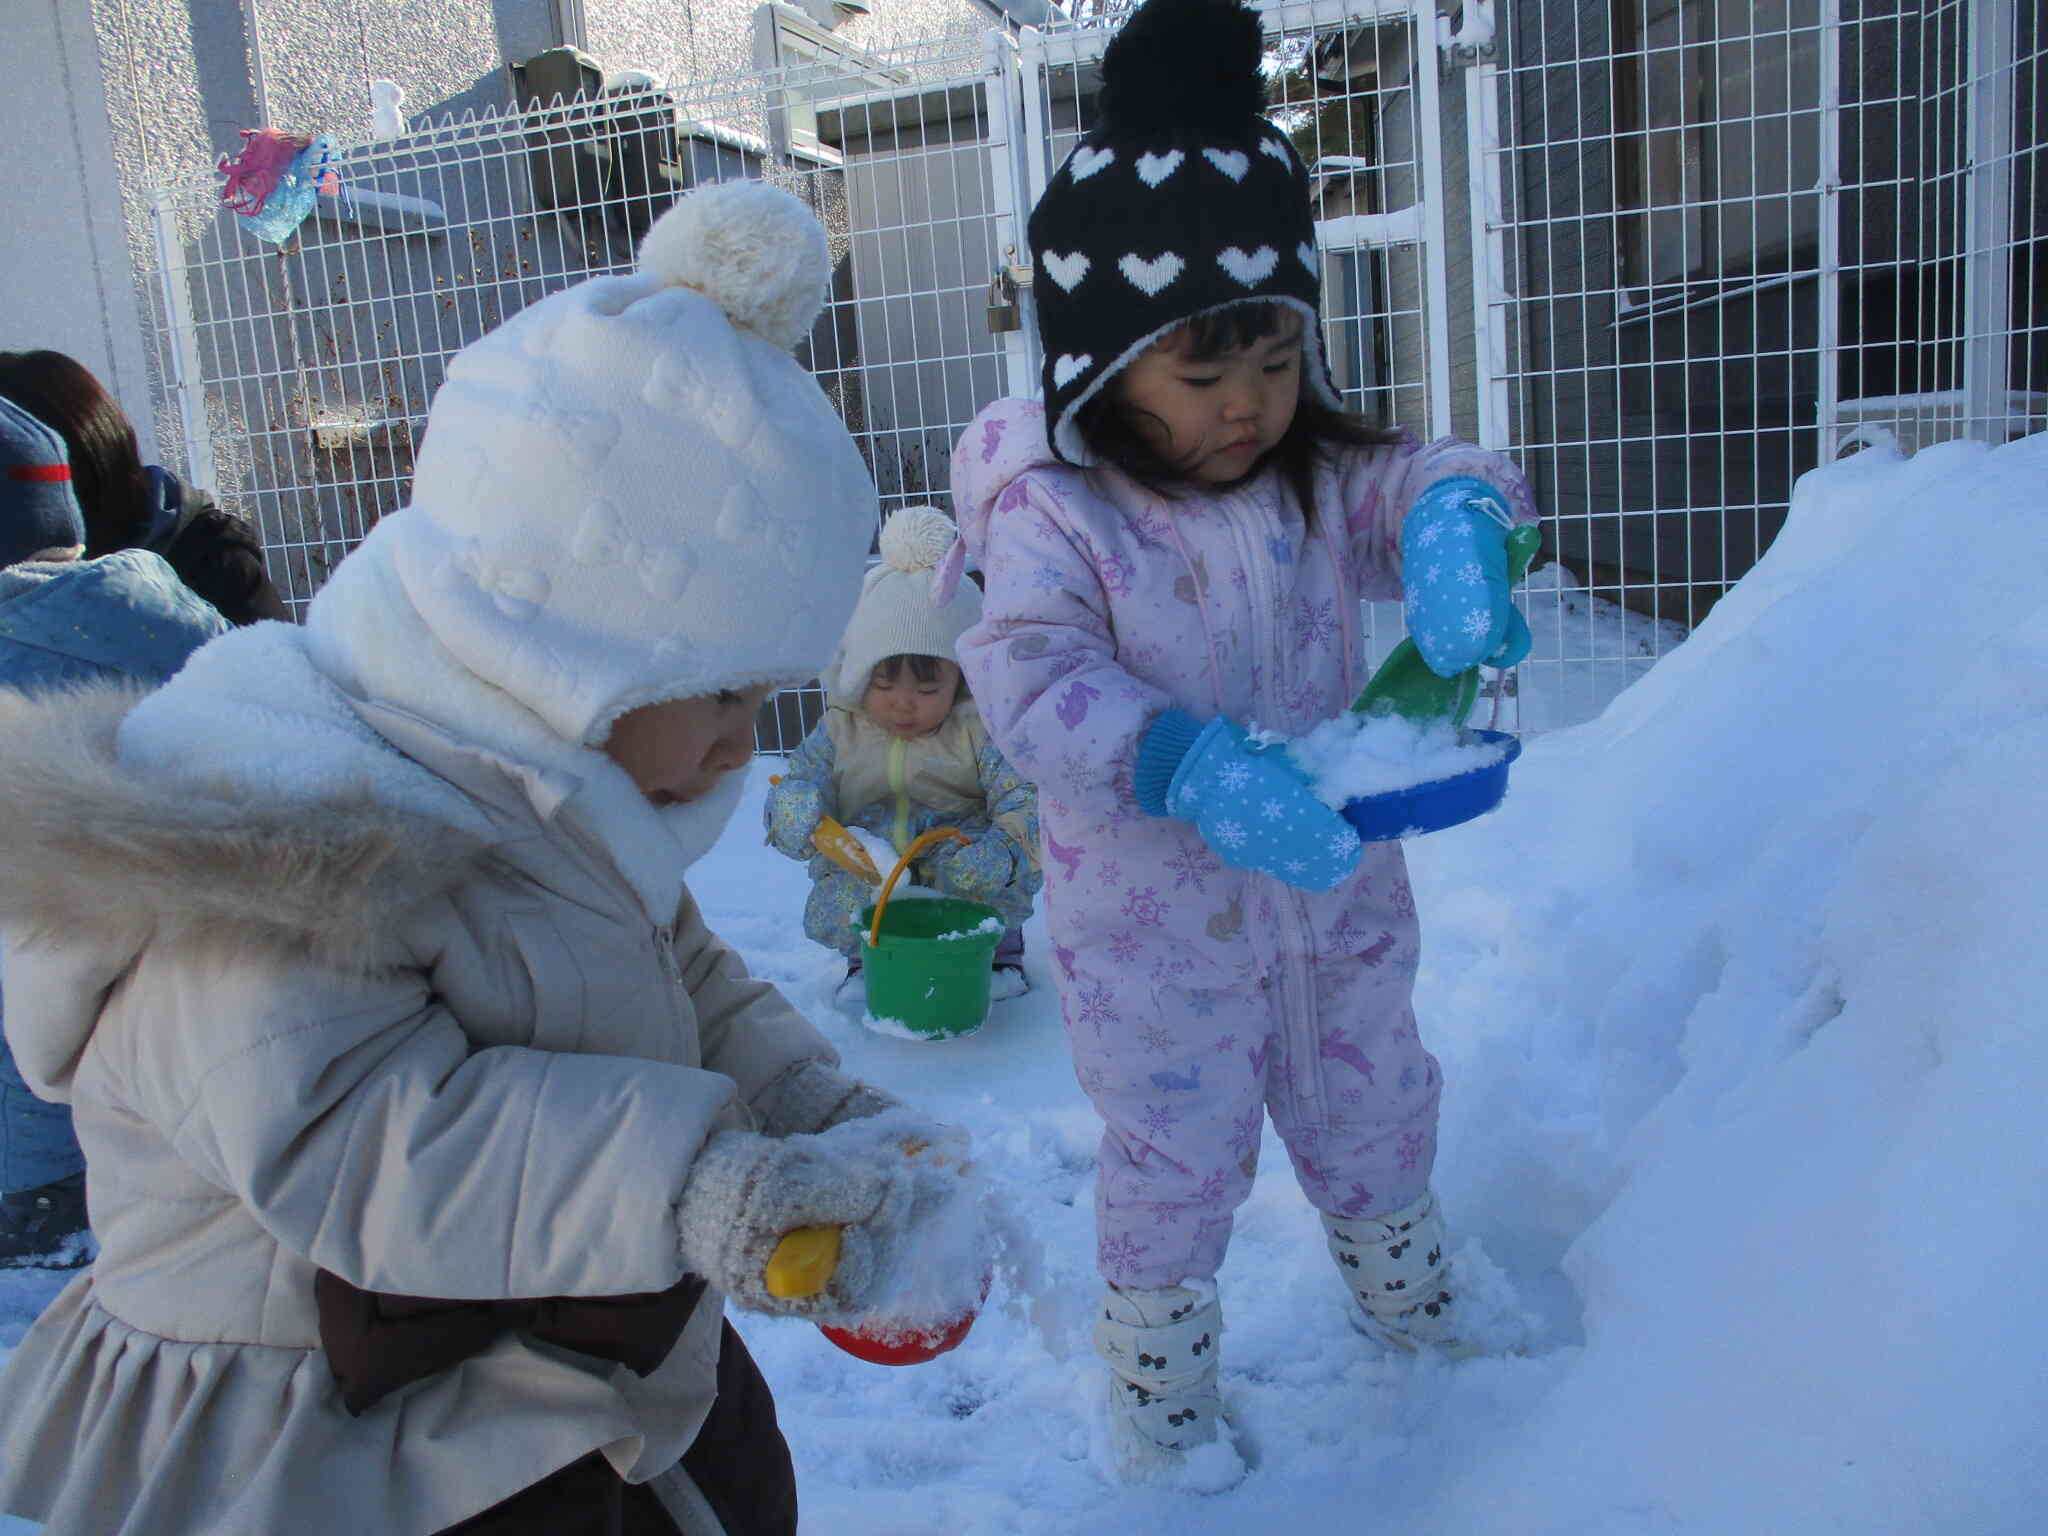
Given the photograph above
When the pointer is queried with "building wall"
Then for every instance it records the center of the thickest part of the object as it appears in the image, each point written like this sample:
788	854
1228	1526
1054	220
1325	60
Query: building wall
1565	261
318	56
1665	438
1401	184
699	41
191	71
68	181
921	208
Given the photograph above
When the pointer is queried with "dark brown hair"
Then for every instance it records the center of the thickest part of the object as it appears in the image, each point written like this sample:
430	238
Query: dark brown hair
106	463
1107	426
924	668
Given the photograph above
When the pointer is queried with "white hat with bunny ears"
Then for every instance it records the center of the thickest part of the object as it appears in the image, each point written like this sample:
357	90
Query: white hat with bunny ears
897	614
630	492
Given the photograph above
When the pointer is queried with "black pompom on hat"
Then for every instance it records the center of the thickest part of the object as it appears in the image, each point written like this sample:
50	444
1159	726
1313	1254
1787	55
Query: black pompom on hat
1182	199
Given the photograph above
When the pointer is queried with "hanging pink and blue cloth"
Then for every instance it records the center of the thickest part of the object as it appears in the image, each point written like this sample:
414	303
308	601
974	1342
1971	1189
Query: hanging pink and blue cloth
273	179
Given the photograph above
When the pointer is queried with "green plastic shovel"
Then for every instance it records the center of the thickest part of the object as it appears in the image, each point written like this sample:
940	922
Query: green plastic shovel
1405	686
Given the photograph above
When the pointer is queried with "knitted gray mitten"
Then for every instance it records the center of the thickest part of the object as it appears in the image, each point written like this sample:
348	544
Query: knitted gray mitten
812	1097
747	1191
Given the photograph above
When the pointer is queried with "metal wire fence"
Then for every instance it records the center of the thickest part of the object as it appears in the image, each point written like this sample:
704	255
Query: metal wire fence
1731	241
298	378
1669	253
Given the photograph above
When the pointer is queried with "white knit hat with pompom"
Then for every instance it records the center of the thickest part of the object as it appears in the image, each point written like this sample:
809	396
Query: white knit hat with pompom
895	615
630	492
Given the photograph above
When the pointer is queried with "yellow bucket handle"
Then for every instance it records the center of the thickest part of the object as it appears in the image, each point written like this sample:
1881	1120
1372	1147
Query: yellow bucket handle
918	845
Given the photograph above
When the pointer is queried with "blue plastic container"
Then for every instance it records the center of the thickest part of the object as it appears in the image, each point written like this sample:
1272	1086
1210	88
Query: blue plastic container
1439	803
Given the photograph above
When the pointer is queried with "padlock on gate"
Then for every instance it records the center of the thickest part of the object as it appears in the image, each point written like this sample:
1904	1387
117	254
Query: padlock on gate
1002	303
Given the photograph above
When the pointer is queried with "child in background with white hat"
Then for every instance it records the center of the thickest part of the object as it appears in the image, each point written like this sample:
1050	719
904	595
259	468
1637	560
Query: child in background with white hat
902	750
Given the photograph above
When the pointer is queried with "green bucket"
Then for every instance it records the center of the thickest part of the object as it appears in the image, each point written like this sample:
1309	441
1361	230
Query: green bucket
929	972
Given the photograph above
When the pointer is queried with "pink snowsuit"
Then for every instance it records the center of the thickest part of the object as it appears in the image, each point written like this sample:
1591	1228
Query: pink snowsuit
1196	997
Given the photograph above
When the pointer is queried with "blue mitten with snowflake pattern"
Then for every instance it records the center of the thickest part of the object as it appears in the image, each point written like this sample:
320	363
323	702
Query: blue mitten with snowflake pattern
1253	806
1454	567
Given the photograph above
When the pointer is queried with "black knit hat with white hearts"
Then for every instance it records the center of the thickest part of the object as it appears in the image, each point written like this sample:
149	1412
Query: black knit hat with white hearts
1183	198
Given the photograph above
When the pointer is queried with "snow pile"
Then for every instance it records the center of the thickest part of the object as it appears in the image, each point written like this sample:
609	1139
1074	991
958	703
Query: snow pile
1610	647
1735	1000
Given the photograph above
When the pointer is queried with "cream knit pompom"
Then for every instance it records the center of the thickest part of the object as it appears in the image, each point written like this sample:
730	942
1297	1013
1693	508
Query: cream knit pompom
752	249
916	538
896	615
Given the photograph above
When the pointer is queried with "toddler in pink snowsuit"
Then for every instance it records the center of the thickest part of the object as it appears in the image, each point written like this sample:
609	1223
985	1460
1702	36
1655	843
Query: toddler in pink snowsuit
1175	546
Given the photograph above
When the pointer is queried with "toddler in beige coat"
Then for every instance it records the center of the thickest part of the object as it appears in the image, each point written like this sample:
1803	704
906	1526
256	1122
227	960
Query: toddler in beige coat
426	1124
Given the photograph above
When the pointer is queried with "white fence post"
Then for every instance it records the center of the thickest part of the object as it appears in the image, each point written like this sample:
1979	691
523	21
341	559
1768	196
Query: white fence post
1429	197
1491	295
1828	315
1008	187
1987	241
181	345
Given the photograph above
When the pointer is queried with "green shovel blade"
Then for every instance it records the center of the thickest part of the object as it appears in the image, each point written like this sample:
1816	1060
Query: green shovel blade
1404	685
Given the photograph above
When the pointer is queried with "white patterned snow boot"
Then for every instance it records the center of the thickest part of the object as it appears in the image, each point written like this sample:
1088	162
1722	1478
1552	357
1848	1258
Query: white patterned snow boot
1395	1267
1160	1347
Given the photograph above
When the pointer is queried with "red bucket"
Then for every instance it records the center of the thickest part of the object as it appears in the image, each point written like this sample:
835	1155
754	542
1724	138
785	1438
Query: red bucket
885	1341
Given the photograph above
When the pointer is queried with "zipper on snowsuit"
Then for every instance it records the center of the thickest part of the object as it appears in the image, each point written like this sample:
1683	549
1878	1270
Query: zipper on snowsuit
1292	995
899	831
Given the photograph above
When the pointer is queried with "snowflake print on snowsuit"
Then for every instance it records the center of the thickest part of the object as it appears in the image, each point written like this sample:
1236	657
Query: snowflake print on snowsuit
1198	998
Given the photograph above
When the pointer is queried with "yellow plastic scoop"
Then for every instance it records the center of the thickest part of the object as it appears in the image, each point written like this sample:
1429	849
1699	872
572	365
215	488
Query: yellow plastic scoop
845	850
802	1263
841	846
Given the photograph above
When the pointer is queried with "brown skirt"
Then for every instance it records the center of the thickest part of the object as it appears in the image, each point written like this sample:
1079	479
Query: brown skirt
739	1462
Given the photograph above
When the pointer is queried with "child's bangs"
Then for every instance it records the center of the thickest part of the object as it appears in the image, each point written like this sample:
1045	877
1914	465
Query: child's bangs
923	668
1234	327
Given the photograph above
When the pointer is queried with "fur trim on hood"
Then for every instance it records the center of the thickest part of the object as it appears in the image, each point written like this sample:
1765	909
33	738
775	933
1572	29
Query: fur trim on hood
195	864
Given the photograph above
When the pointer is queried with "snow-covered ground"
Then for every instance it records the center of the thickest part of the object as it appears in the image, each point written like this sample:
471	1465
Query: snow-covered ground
1744	1067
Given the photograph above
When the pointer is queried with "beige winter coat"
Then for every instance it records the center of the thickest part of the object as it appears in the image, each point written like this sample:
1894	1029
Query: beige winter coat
435	1061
